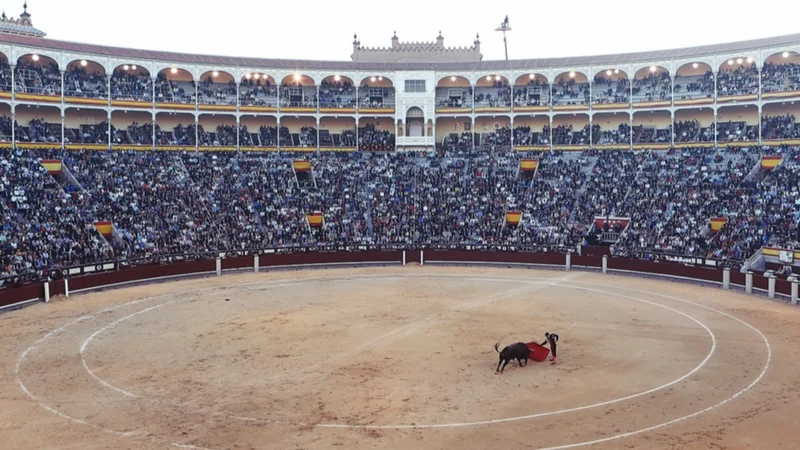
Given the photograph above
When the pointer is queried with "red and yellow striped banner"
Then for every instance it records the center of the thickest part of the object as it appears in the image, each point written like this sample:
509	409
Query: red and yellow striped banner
528	165
513	217
315	219
52	165
771	161
104	227
717	223
301	165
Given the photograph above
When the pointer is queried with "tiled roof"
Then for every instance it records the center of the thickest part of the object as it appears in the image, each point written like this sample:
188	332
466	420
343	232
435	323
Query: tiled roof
542	63
10	27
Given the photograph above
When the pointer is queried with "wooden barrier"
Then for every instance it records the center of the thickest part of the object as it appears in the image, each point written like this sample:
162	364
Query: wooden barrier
18	295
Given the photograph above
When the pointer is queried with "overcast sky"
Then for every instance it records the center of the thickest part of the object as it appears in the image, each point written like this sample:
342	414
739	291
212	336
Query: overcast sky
324	30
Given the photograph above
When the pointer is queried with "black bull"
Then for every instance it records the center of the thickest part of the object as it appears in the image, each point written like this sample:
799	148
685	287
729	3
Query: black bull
518	351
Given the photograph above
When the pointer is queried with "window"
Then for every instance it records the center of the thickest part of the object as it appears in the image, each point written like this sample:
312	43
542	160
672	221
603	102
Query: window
415	85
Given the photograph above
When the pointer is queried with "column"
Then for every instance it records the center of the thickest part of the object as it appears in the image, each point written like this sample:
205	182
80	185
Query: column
62	125
108	90
278	130
512	121
357	143
760	113
63	74
196	132
319	122
154	130
13	125
726	278
110	138
239	136
13	82
551	129
771	280
630	130
714	125
473	124
672	127
748	283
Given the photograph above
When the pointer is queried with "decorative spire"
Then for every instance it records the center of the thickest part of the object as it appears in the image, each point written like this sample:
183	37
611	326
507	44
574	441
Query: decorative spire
25	10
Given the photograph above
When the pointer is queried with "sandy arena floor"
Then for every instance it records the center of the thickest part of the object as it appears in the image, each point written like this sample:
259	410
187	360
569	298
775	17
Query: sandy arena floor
401	358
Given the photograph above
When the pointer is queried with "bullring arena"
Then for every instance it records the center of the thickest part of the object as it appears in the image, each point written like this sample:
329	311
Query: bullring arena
401	357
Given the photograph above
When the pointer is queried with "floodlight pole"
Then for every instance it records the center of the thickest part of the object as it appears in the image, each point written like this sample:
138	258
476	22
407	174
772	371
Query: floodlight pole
504	27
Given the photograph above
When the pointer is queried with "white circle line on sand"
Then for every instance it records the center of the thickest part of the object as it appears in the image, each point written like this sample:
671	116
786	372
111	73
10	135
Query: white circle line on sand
117	322
551	282
610	438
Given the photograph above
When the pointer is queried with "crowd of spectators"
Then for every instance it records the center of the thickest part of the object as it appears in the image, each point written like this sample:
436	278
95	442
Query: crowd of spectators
619	135
78	82
131	87
164	202
337	94
736	132
525	136
652	88
33	78
43	227
211	93
691	87
780	77
741	80
779	127
570	93
496	96
607	90
536	93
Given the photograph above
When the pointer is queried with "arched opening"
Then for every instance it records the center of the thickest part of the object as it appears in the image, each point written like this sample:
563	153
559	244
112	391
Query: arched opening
492	91
175	129
377	92
737	76
737	124
337	92
571	88
652	127
175	85
216	130
130	82
298	91
611	87
258	89
6	124
5	74
531	131
651	84
453	92
85	79
454	136
493	133
216	88
85	126
131	128
40	124
694	125
376	134
415	120
298	132
38	75
337	133
570	129
779	123
531	90
781	73
694	81
611	129
259	132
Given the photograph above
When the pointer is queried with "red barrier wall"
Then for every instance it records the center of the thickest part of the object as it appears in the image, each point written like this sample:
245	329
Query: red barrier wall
11	296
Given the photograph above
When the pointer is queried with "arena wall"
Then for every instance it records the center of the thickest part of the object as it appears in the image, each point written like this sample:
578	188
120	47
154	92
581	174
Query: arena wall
686	272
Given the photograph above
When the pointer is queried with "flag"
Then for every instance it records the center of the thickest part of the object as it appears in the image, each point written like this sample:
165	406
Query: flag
52	165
